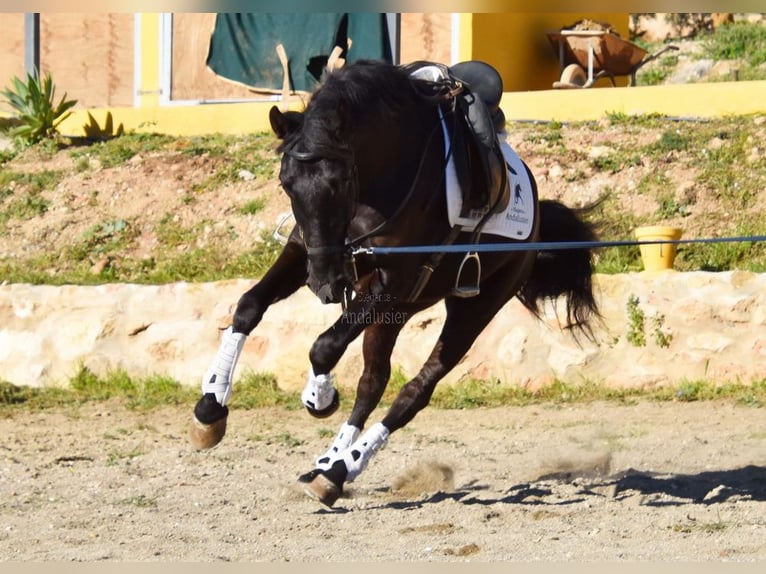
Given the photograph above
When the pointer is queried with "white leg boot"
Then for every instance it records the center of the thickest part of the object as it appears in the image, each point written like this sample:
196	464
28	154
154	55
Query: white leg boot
345	438
358	455
218	378
319	392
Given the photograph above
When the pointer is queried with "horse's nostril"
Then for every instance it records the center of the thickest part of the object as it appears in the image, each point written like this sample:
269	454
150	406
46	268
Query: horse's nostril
324	293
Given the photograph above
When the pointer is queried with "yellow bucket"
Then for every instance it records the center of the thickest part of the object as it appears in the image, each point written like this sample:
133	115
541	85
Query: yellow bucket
658	256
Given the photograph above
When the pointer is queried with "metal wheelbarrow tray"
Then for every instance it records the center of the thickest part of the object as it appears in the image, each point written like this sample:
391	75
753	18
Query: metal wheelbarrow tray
588	55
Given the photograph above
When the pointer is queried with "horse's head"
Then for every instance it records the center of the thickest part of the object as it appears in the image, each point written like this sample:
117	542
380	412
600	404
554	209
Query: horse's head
321	184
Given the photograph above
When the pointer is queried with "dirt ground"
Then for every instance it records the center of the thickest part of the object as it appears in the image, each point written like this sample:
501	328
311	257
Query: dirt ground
603	482
159	185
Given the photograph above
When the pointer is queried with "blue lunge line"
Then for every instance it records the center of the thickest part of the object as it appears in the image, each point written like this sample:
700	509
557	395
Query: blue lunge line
542	245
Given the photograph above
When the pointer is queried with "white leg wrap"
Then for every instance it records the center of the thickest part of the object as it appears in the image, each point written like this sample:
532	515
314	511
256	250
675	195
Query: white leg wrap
218	377
319	391
346	436
358	455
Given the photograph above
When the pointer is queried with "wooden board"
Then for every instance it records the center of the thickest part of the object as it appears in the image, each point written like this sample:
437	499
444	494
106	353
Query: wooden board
89	56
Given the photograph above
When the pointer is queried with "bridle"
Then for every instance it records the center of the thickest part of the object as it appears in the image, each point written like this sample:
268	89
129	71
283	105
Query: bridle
352	244
351	248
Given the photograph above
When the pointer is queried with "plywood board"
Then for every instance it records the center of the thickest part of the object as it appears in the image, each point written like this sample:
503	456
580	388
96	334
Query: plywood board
192	79
426	37
89	56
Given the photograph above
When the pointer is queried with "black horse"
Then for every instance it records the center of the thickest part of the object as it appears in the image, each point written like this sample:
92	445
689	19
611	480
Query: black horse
364	166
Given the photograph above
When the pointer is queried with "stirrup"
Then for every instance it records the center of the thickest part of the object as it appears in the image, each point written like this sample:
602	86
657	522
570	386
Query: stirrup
471	289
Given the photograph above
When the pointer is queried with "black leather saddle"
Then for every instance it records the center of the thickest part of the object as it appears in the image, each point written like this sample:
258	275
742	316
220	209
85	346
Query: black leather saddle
472	92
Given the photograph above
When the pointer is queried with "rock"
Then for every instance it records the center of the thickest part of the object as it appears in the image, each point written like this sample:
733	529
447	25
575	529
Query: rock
716	323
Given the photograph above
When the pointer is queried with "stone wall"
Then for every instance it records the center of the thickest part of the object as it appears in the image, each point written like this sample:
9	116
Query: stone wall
697	325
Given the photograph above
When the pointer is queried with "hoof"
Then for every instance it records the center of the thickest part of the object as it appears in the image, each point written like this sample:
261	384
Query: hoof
323	489
309	476
209	423
204	436
326	412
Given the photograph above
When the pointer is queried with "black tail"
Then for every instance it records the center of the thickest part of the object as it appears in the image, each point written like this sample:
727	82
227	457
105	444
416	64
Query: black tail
566	272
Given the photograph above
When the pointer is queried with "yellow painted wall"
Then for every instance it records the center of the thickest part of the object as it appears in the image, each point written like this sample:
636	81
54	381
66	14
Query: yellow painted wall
517	45
684	100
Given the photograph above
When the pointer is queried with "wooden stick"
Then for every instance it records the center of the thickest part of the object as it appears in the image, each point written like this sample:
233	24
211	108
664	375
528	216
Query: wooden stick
285	76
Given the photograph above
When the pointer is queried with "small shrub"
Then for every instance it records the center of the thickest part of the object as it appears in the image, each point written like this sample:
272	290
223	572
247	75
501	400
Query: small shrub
34	102
636	323
253	206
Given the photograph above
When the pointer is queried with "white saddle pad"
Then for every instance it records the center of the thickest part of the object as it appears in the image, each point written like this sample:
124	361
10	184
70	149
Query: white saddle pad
517	220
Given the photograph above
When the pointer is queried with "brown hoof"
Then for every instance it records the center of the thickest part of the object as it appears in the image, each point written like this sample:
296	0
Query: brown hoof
204	436
323	489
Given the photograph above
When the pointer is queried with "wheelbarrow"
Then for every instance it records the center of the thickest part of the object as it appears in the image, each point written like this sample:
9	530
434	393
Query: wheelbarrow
586	56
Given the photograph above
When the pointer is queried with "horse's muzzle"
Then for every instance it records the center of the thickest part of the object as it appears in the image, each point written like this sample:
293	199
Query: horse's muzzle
326	294
330	279
331	292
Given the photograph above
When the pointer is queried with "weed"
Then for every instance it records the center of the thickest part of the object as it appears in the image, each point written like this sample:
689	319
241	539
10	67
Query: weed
288	440
636	323
548	132
653	181
738	40
261	390
670	140
253	206
255	390
661	336
116	151
115	456
26	207
658	72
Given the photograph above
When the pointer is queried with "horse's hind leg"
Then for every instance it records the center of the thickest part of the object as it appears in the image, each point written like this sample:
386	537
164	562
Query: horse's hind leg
465	320
285	277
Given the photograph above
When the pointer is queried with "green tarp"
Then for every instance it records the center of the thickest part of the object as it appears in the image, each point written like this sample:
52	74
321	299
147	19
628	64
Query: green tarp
243	46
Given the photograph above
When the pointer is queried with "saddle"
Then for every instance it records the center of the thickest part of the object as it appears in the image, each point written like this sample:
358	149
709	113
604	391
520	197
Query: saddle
471	93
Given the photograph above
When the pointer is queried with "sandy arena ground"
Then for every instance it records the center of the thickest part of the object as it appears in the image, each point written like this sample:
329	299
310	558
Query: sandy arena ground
667	482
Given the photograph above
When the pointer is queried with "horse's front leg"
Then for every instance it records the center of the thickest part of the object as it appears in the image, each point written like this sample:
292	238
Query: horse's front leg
286	276
319	396
378	344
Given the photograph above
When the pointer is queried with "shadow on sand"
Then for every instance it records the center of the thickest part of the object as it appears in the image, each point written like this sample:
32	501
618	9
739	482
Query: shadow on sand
660	489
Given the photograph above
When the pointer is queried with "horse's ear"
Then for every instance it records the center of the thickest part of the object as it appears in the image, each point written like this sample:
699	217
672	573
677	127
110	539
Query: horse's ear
284	123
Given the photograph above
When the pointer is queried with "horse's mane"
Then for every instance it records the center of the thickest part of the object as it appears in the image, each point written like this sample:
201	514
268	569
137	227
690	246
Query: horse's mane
348	95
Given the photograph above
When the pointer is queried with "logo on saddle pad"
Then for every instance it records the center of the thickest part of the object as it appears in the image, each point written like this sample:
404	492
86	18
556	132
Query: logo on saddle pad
517	220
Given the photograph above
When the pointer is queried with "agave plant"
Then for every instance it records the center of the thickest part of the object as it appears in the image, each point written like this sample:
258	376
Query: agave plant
34	102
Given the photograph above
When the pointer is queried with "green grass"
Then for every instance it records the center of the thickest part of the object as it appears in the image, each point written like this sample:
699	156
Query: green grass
737	41
253	206
259	390
117	151
717	148
720	150
744	41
